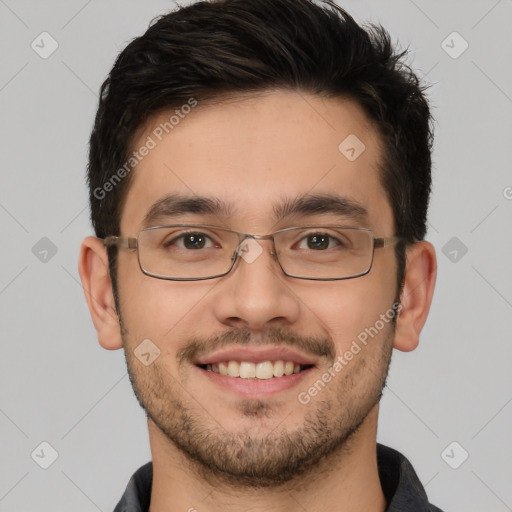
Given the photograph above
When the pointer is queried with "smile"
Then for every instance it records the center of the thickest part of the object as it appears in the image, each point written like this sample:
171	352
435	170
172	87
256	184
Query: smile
260	370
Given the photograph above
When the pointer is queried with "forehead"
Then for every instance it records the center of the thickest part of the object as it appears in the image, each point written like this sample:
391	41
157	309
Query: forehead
255	156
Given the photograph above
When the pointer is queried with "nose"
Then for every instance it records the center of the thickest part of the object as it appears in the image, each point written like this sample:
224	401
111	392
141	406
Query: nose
256	294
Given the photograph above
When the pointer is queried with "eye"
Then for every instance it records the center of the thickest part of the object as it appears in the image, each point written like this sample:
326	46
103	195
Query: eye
192	240
319	241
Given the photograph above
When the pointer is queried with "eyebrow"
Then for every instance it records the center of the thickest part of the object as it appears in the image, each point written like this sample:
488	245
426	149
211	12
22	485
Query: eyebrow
315	204
173	205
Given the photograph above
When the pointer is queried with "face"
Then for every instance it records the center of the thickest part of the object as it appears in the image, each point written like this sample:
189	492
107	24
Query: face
256	154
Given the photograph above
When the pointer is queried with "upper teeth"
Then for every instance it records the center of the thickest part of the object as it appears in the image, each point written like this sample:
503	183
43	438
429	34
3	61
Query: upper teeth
247	370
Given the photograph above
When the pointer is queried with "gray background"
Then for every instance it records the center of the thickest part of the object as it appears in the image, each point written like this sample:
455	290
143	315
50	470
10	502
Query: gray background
58	385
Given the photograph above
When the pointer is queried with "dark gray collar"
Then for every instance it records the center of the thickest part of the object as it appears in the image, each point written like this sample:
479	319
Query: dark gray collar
400	484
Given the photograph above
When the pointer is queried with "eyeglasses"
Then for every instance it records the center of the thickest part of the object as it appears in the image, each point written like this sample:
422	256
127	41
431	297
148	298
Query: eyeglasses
185	252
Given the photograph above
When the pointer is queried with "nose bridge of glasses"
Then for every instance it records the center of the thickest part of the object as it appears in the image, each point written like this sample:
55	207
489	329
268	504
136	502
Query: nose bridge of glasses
245	246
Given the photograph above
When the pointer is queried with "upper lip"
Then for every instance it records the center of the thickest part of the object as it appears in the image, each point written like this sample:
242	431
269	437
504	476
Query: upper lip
256	355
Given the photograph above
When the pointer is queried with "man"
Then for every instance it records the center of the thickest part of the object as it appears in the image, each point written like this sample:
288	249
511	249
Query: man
259	179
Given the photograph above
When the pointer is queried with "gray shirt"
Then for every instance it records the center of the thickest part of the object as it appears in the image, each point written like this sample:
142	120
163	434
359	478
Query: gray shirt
402	489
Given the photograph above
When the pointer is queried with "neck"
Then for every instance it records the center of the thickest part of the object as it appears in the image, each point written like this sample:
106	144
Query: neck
347	481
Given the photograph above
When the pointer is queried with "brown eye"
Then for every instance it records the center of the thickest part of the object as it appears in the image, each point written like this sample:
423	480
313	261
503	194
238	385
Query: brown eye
318	242
194	241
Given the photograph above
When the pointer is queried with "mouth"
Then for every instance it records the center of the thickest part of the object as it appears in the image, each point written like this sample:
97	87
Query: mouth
255	372
262	370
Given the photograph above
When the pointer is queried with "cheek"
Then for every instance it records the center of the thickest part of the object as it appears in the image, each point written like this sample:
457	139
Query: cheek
163	311
345	309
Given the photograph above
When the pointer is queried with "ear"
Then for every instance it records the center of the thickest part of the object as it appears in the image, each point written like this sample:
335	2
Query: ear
417	292
97	285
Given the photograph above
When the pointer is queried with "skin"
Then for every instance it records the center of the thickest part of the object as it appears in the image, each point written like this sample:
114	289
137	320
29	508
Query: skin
252	152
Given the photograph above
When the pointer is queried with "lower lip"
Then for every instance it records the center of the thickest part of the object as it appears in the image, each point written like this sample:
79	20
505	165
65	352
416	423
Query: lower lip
254	388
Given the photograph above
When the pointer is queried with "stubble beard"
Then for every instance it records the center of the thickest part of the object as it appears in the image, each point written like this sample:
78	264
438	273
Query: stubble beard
247	459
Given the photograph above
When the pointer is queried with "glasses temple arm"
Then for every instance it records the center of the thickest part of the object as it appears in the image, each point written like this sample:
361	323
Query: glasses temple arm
384	242
121	241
